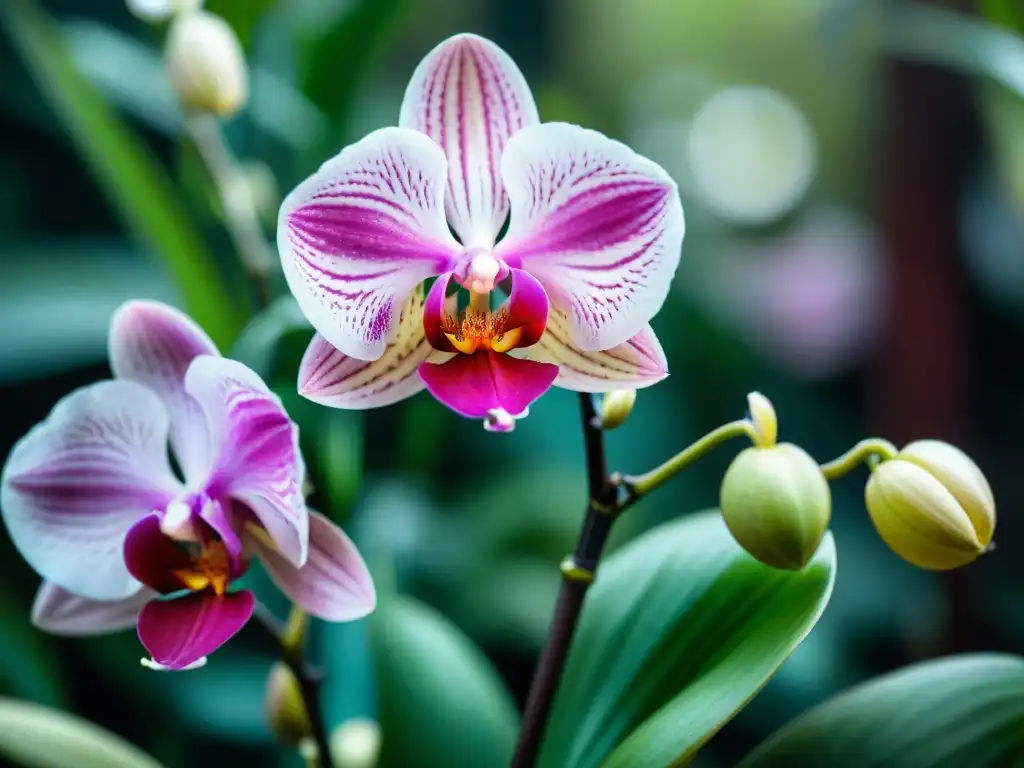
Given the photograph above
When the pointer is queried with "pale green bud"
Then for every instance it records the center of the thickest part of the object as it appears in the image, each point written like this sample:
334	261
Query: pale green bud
616	407
206	64
932	506
776	503
356	744
286	712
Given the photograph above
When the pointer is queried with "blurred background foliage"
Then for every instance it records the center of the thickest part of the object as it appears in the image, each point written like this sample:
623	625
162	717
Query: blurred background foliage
853	178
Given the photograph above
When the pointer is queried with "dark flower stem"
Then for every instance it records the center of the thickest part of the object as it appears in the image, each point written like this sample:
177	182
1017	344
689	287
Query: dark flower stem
309	678
578	572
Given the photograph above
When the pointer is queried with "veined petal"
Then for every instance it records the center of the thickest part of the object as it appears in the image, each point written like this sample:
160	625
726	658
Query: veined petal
255	445
73	486
599	225
359	234
153	344
180	631
638	363
330	377
59	612
334	584
470	97
475	385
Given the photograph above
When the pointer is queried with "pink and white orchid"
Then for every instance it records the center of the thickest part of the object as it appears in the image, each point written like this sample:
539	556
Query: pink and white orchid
593	238
93	504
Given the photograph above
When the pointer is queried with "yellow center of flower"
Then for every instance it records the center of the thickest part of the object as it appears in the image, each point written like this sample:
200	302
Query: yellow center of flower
479	328
209	569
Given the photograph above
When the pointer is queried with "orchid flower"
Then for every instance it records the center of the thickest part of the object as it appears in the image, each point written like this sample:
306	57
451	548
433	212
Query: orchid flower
593	234
93	504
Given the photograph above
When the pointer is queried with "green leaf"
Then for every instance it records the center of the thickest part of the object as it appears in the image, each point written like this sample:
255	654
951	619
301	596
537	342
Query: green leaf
242	15
337	59
273	342
936	35
1008	13
40	737
947	713
441	702
135	184
680	631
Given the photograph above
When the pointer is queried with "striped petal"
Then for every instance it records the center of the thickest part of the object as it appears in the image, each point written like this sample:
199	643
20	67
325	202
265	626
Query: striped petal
330	377
361	233
255	445
600	226
635	364
59	612
153	344
470	97
75	484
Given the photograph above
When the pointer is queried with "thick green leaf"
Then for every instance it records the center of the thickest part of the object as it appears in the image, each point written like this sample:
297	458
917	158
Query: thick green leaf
441	702
681	629
136	185
40	737
948	713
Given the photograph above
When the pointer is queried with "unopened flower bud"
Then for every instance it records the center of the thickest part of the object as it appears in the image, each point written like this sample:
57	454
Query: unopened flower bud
616	407
155	11
932	505
206	64
356	744
286	712
762	416
776	503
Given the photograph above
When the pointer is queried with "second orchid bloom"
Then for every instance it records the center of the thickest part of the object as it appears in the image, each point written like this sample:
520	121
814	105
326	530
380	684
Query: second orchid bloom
592	238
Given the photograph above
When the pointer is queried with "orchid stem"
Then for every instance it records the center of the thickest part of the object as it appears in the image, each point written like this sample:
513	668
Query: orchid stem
870	451
638	486
240	215
288	637
577	574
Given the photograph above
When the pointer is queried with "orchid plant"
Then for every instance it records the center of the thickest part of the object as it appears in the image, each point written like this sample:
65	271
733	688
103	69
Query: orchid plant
484	256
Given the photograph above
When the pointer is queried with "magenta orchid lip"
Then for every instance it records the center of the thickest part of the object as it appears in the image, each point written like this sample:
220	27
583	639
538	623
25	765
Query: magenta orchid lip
593	239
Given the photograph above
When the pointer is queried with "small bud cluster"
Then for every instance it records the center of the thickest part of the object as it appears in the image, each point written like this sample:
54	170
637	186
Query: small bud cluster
929	502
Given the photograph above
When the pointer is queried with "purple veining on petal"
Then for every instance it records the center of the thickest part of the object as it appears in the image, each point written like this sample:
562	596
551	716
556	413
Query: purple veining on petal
600	226
469	96
334	584
153	343
257	460
73	486
330	377
360	234
179	631
473	385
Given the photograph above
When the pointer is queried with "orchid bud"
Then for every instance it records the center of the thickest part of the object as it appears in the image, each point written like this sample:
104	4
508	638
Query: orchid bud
286	712
616	407
932	506
776	503
206	64
155	11
356	744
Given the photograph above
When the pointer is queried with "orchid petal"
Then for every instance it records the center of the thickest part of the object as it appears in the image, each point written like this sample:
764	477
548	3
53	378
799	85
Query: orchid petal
330	377
600	226
180	631
436	309
359	234
475	385
59	612
255	445
638	363
334	584
470	97
152	343
73	486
